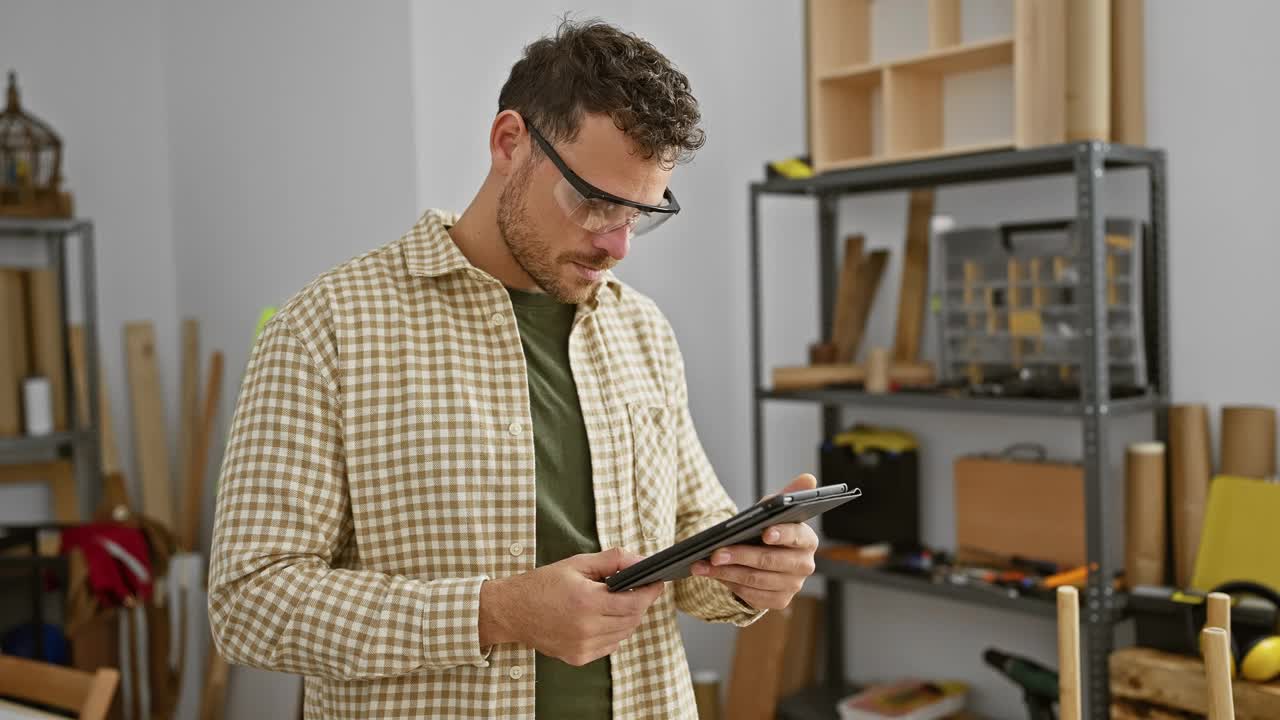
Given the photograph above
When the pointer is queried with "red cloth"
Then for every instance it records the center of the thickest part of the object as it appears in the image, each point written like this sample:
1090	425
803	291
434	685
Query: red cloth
111	579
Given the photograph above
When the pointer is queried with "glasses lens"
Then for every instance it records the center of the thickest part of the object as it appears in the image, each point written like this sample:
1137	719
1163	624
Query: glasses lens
601	216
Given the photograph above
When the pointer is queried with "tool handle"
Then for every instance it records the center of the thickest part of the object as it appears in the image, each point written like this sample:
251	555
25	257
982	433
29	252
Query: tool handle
1217	670
1069	654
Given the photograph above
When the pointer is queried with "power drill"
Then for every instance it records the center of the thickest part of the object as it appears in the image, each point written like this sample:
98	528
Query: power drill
1039	684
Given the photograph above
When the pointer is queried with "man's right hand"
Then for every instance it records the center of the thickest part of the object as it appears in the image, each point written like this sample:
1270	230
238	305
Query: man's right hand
563	610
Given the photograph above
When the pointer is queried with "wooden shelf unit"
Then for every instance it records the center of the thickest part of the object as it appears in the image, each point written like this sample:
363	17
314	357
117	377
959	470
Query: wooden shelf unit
843	83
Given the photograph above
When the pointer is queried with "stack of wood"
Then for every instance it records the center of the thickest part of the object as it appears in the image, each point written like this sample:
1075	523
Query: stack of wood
833	362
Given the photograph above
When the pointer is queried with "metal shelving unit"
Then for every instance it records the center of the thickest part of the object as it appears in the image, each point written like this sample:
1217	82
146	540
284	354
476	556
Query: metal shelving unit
39	244
1087	163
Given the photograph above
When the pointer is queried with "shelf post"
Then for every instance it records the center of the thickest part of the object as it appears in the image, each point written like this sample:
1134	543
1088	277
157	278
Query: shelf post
1095	398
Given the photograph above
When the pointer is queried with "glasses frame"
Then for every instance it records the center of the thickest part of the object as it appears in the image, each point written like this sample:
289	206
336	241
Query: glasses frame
591	192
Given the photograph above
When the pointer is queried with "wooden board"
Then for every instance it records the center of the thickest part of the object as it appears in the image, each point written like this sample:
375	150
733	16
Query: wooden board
48	354
846	288
1039	72
867	282
149	429
812	377
11	371
1128	72
79	374
1088	70
755	679
194	491
799	657
213	697
914	291
1178	682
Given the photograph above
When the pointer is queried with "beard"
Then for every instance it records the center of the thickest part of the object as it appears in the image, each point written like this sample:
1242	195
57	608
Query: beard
533	253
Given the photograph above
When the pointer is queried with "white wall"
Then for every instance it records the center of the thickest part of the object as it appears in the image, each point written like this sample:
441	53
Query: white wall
94	72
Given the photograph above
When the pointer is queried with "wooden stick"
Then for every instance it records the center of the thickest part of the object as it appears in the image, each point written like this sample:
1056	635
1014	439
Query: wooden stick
149	428
1218	611
11	369
914	290
846	287
194	494
107	434
1217	672
1068	653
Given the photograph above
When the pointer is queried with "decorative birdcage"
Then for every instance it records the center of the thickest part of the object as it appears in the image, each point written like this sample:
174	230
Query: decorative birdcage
30	163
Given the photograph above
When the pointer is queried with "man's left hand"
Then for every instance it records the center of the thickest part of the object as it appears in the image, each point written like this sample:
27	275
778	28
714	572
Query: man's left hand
767	577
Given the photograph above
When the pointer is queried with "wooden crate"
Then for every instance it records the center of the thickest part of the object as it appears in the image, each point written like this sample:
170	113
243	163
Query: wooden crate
1054	86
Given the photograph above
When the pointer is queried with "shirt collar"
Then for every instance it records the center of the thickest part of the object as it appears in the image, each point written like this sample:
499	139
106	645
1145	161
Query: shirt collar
429	251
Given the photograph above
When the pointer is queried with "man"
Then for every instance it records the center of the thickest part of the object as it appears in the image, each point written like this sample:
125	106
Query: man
443	446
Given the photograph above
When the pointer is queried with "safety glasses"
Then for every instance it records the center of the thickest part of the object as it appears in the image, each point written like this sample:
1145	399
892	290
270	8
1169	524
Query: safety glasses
597	211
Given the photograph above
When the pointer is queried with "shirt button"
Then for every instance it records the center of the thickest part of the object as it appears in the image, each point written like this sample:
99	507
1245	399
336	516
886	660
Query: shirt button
516	672
515	428
497	319
516	548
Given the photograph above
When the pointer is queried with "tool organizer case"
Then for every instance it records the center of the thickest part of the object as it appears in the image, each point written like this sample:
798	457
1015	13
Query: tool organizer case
1010	302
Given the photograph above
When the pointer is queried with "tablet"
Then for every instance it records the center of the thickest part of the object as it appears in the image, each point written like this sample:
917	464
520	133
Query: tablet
746	527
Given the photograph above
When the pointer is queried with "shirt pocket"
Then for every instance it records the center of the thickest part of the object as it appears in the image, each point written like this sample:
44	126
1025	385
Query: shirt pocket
653	461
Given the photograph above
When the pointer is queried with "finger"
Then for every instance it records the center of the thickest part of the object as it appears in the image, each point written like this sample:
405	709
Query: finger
761	599
759	579
792	561
633	602
804	481
797	535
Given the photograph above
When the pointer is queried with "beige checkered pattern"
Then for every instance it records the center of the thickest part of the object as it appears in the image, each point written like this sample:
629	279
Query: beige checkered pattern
381	466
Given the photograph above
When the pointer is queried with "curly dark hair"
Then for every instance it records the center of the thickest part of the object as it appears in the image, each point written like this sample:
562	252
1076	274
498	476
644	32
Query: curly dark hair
593	67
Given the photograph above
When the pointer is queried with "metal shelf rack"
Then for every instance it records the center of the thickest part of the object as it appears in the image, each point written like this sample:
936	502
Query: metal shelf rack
1087	163
38	244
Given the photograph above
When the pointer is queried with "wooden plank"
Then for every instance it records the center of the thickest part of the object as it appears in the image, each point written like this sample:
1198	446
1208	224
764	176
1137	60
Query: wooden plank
1178	682
194	493
846	288
189	416
1128	72
799	658
813	377
12	357
1039	72
755	679
944	23
913	293
48	353
867	282
149	429
1069	704
79	374
1089	70
213	698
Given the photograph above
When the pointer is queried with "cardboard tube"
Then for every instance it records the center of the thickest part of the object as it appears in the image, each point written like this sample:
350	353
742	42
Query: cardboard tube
1248	441
1144	514
1189	461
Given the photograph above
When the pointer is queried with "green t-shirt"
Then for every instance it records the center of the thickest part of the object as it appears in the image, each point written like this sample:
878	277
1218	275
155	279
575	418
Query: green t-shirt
566	502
